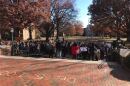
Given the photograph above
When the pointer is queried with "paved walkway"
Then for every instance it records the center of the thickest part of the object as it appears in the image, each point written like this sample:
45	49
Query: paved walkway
27	71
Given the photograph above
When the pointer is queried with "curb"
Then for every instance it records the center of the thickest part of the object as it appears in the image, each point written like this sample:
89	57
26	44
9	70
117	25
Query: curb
57	59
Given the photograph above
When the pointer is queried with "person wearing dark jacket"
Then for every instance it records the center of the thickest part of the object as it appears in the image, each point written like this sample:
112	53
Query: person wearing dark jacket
58	48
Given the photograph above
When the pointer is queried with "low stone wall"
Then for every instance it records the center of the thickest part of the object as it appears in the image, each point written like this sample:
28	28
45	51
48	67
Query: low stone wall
125	58
124	52
6	50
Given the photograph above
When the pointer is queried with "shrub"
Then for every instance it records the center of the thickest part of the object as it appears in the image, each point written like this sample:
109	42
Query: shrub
5	51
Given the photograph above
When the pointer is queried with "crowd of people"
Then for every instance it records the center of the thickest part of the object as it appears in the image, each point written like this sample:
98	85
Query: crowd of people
66	49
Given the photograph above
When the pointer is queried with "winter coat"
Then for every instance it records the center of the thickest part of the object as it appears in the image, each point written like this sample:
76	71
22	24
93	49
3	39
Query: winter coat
75	50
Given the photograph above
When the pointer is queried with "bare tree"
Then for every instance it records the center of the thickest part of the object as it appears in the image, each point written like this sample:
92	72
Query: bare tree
62	12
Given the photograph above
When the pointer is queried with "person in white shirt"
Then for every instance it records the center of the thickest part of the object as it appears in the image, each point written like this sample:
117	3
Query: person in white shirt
83	51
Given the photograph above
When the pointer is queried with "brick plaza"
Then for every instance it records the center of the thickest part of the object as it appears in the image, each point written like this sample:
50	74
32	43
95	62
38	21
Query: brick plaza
19	71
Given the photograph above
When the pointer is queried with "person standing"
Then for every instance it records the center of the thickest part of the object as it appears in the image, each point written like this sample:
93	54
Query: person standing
59	48
83	51
91	51
75	50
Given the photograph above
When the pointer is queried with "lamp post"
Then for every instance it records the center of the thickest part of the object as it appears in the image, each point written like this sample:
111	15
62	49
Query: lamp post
92	25
12	37
12	34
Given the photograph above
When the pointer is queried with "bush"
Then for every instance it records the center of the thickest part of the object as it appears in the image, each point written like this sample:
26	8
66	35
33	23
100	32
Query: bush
5	52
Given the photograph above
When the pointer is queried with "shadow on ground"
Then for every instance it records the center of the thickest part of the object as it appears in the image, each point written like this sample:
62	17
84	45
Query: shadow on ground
119	72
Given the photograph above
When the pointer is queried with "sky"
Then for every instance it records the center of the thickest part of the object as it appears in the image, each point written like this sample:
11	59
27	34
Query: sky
82	6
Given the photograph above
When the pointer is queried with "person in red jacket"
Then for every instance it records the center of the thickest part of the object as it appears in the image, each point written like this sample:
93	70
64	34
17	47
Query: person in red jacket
75	50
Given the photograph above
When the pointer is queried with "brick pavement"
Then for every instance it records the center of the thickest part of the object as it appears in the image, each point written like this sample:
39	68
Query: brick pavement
56	72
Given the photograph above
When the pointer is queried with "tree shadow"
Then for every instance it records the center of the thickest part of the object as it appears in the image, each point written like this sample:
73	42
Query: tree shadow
119	72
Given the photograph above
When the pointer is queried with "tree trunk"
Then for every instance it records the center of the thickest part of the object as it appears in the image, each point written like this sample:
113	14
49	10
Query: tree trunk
47	35
57	29
128	35
0	37
30	34
47	38
128	32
